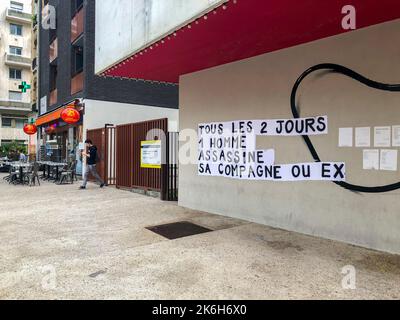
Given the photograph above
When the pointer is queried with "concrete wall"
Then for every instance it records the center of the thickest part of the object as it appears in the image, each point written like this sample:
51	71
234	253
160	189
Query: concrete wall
120	90
120	33
259	88
98	113
13	134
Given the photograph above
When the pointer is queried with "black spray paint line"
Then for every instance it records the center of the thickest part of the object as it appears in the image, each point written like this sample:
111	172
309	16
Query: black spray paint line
358	77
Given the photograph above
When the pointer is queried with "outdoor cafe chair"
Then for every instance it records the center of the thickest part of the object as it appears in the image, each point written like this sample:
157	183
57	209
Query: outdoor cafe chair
10	170
33	176
49	172
13	176
69	173
27	169
7	178
53	171
56	169
46	170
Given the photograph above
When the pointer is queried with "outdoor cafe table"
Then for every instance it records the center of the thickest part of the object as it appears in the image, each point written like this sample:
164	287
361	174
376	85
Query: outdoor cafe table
45	167
5	163
48	165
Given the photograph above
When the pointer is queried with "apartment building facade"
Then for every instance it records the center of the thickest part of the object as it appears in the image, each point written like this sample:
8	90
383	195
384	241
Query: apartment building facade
15	68
35	47
66	75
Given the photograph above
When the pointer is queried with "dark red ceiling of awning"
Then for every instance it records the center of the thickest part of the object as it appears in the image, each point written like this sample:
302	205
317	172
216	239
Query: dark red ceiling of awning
246	28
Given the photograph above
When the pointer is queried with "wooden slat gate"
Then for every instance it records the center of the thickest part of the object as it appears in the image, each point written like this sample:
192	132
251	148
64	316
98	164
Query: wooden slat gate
105	141
130	174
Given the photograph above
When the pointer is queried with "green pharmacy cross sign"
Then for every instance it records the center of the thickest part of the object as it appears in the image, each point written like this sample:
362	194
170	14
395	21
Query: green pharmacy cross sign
24	86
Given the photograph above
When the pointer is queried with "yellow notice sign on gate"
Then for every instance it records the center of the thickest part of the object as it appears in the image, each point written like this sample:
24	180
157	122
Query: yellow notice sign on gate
150	154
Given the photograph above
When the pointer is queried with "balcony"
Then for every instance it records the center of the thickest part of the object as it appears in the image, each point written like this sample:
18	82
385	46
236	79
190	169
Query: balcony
13	15
13	60
7	105
13	134
77	25
77	83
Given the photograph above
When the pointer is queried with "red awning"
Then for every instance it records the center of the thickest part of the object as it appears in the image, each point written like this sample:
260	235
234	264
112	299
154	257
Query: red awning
245	28
56	114
49	117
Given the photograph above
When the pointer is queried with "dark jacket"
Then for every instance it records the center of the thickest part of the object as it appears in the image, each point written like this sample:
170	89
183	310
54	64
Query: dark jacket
92	152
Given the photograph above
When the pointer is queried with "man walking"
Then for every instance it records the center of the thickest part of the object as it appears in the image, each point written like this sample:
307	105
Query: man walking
22	157
91	160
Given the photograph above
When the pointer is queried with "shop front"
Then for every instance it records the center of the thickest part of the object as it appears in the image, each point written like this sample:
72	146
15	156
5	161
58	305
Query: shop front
60	138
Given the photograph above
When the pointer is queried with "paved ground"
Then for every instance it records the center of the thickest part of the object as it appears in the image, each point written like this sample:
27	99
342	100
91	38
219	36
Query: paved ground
60	243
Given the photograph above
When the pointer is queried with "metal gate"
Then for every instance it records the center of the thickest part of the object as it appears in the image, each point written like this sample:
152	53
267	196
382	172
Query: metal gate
170	171
104	140
110	159
130	174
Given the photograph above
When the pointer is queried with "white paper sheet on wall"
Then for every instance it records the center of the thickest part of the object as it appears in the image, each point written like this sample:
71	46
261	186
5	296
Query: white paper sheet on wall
345	137
363	137
396	136
371	159
382	136
388	160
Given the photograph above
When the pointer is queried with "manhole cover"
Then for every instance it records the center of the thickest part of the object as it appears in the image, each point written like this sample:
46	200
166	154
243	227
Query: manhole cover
178	230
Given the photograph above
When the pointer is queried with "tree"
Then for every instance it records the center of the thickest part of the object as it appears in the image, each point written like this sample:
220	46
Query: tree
12	150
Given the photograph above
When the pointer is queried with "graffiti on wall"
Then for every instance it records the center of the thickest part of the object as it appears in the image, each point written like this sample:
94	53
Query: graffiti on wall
365	81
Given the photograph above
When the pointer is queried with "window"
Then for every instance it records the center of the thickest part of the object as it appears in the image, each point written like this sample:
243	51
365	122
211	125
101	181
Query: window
15	50
18	6
16	29
6	122
76	5
53	77
19	123
15	96
15	74
6	142
77	60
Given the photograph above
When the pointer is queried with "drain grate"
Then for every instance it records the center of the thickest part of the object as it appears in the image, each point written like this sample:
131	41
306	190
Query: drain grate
178	230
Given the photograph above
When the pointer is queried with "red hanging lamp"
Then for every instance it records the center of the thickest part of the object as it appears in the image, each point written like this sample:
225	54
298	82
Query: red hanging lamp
30	128
50	129
70	115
